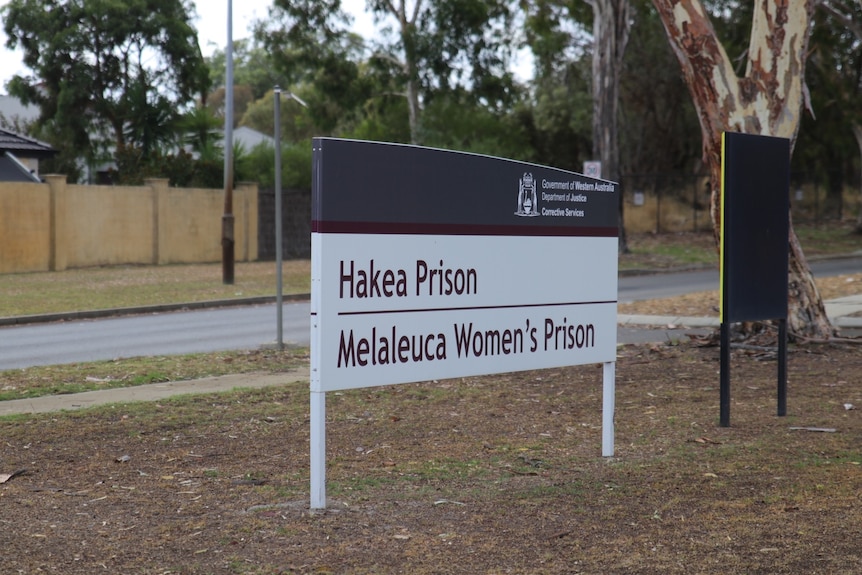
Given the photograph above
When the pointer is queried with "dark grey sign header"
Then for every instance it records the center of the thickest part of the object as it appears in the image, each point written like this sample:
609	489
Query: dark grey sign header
372	187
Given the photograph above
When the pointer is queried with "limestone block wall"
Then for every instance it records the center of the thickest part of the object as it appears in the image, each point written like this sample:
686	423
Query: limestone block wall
55	225
25	224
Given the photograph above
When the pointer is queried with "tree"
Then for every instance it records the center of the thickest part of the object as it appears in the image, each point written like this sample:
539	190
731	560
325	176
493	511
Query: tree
826	147
612	22
767	99
101	67
422	49
296	125
252	67
849	15
561	105
655	105
439	46
310	45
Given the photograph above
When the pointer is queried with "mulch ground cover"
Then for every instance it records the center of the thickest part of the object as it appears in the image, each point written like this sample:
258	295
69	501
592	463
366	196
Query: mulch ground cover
497	474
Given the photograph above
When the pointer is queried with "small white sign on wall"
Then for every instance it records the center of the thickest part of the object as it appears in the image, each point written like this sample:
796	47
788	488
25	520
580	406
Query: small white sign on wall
593	169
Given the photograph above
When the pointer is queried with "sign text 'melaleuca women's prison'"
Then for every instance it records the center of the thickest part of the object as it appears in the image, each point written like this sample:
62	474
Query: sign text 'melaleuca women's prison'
380	345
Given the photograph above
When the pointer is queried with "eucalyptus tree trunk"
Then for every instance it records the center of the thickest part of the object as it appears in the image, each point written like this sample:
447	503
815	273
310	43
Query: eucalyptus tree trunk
767	100
407	19
611	26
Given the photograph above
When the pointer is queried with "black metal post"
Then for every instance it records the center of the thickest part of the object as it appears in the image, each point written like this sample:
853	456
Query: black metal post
724	392
782	367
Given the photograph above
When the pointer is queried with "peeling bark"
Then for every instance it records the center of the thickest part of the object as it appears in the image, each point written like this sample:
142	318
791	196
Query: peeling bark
767	100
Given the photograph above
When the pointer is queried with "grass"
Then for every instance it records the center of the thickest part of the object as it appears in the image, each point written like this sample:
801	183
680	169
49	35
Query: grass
129	286
828	239
444	483
89	376
132	286
686	249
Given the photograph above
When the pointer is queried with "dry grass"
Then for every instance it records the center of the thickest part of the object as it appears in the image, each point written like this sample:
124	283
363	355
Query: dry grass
498	474
131	286
705	304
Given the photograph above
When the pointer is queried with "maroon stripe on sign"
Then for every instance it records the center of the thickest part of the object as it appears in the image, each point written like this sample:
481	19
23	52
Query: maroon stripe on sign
327	227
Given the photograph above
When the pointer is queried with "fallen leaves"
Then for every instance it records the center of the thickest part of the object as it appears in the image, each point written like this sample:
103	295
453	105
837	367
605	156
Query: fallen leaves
4	477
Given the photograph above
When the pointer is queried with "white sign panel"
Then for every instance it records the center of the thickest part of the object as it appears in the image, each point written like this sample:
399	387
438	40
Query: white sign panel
401	308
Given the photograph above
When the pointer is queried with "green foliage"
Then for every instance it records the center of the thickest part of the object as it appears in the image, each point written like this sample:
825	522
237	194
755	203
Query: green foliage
297	123
252	67
655	103
383	119
258	165
181	168
558	118
201	129
826	145
455	124
106	70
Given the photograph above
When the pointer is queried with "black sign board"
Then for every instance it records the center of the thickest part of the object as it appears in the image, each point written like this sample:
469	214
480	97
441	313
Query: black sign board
755	222
755	218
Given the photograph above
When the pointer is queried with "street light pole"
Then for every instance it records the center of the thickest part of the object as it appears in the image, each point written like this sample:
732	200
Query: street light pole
227	234
278	218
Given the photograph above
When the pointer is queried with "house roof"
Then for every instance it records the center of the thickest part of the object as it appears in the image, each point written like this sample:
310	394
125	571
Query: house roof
23	146
248	138
11	170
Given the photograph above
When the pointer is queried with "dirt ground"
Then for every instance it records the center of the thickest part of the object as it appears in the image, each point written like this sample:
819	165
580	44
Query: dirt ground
481	475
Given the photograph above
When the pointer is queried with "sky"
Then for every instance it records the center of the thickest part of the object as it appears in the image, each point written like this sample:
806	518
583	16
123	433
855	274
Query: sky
212	29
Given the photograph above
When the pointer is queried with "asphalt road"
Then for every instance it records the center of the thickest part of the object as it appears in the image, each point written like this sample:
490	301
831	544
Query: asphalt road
246	327
656	286
251	327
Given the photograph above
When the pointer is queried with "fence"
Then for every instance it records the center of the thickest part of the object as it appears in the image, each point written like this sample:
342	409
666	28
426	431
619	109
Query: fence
56	226
295	224
661	203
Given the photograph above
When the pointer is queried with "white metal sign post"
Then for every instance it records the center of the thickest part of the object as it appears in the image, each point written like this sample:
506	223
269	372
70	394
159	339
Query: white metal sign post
432	264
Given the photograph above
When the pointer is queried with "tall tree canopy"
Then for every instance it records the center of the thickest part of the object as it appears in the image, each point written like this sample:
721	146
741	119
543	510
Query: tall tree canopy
437	47
119	70
422	49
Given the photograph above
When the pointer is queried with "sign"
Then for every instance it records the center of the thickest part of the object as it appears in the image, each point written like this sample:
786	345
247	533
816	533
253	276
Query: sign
755	209
755	227
433	264
593	169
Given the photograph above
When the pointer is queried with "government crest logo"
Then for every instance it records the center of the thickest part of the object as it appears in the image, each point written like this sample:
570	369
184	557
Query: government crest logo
527	200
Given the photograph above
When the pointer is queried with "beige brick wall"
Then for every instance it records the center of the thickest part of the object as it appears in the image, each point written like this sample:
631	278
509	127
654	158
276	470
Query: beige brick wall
55	225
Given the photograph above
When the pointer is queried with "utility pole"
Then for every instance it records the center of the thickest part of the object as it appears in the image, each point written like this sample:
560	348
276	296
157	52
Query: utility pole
278	224
227	221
